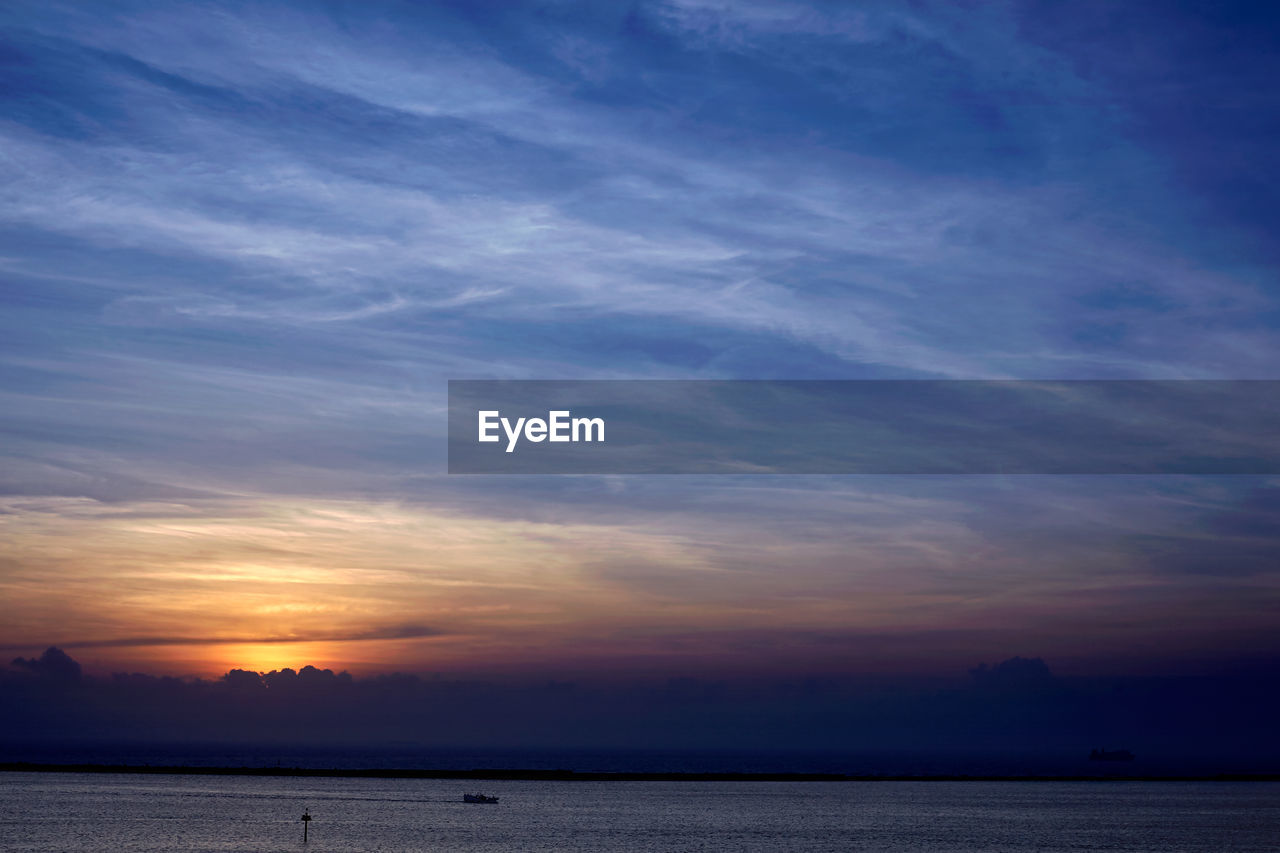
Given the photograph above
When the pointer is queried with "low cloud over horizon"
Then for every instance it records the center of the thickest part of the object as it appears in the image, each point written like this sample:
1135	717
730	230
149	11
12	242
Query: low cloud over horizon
1014	710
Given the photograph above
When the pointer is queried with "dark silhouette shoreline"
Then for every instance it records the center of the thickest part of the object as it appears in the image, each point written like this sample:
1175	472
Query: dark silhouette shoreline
528	775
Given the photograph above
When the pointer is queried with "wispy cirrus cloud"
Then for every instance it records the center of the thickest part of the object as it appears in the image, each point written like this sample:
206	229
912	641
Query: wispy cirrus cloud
610	223
243	247
395	632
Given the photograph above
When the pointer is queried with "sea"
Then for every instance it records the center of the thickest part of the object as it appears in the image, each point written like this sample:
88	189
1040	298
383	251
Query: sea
132	813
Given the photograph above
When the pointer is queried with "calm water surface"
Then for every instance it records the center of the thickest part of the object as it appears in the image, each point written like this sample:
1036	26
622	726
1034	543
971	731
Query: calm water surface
71	811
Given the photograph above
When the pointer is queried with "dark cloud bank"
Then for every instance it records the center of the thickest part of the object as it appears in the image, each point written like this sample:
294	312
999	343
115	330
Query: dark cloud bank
1014	716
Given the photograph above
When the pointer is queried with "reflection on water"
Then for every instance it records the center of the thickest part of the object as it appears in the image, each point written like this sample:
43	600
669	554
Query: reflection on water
130	814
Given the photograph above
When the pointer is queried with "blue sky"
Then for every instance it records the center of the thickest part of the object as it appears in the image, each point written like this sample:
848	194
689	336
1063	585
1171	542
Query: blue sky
244	247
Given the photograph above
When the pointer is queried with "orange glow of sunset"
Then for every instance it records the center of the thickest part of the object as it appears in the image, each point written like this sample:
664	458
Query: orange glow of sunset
257	584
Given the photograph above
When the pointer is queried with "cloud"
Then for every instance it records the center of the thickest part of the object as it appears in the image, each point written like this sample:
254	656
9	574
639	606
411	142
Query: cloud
1016	673
840	252
897	573
54	664
243	248
1176	724
730	25
396	632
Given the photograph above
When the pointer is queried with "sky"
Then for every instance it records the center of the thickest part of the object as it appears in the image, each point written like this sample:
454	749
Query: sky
243	247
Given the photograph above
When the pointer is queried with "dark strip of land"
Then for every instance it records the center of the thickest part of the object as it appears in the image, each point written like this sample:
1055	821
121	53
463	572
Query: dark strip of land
516	774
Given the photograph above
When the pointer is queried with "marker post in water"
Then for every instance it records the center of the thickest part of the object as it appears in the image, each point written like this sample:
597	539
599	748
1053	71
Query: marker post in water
306	822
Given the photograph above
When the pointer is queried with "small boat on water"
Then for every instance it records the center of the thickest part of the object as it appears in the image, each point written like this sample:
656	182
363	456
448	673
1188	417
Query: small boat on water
478	798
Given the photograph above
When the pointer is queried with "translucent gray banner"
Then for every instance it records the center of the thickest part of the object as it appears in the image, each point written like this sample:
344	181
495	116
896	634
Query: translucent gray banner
864	427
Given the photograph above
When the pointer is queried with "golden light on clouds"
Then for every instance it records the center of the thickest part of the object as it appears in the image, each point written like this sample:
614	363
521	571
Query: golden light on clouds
201	588
254	583
264	657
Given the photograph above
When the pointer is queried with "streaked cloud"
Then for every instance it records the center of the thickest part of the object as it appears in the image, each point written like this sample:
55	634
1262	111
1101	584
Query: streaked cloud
397	632
243	247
